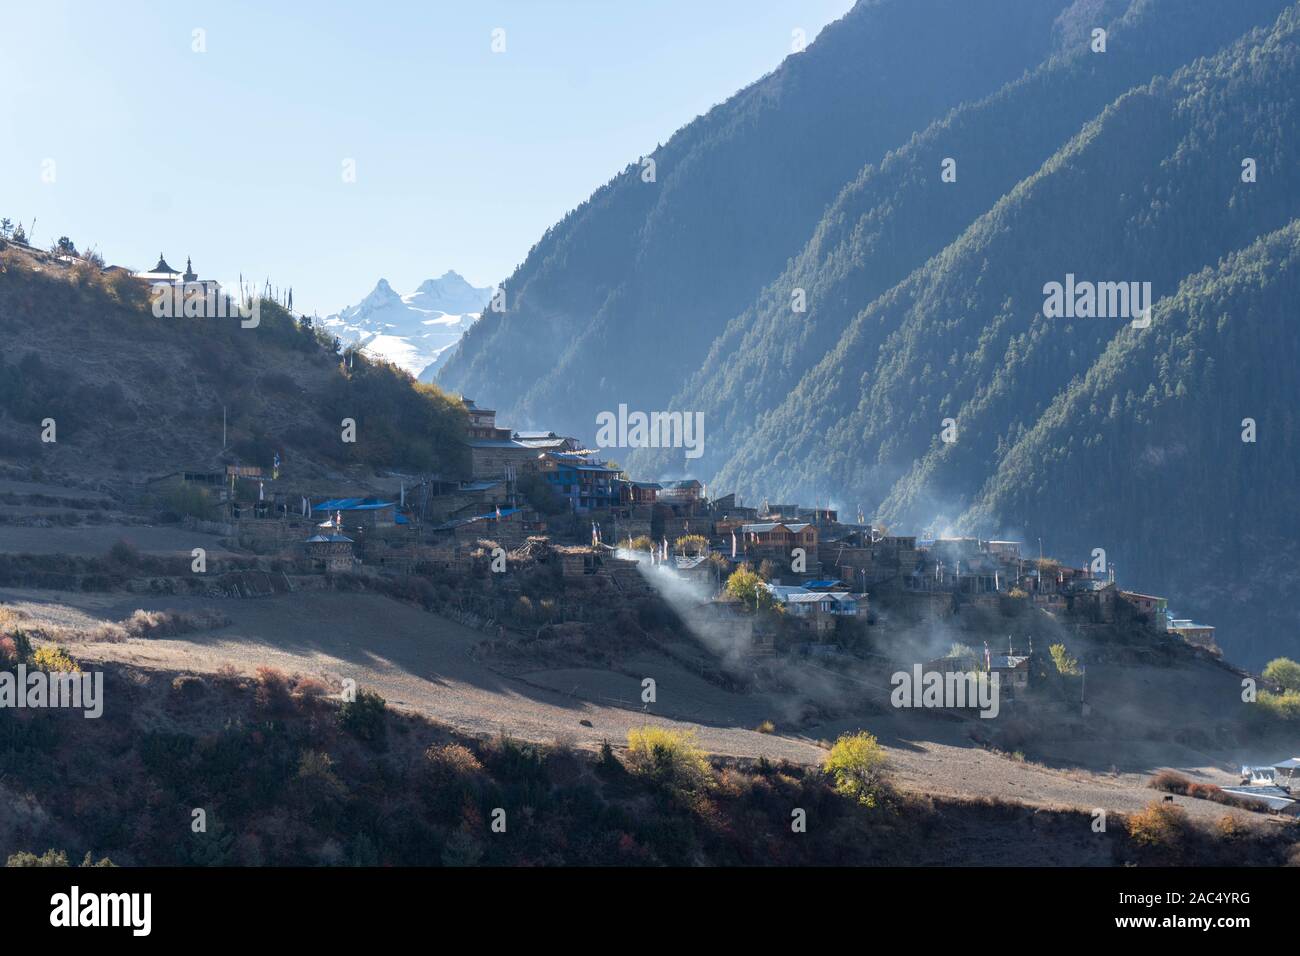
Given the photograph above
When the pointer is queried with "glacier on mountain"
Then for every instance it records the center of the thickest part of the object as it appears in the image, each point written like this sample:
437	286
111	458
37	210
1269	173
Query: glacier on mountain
416	331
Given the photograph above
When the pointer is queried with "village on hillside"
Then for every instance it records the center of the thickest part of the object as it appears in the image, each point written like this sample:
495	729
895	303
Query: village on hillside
530	492
537	496
773	581
533	490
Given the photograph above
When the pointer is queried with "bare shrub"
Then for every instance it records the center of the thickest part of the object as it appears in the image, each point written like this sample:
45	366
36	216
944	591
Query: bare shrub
144	624
10	618
1170	782
125	554
448	764
107	632
188	685
309	687
272	688
228	671
1162	827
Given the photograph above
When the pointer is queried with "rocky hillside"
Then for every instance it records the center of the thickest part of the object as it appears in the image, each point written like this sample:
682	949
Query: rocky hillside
132	395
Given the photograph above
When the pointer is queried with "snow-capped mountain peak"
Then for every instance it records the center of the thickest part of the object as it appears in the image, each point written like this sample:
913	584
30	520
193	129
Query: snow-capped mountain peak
449	293
416	331
381	294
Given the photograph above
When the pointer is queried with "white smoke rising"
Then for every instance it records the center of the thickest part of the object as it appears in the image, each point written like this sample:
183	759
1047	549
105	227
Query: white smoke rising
693	604
798	690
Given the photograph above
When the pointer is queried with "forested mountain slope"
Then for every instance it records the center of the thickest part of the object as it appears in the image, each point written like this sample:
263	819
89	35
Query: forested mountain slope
1152	190
897	214
620	300
1199	512
1149	191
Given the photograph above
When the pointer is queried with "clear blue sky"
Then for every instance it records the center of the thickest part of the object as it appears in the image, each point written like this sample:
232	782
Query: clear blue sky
463	157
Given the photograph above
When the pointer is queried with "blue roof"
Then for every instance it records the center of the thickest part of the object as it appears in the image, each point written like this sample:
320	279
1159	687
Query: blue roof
828	583
352	504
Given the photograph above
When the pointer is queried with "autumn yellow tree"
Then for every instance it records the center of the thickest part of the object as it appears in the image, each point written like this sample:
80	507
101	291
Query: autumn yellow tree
747	587
857	763
691	544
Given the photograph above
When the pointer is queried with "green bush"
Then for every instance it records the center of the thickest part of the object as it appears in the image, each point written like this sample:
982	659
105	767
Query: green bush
857	762
399	421
365	716
746	586
668	757
188	500
1285	705
1065	664
53	660
1285	672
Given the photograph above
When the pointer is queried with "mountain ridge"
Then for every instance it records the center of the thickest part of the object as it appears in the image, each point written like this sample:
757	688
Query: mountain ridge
417	331
793	137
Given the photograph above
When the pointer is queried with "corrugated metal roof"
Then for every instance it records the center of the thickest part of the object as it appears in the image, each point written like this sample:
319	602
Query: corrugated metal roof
1274	797
1006	661
496	443
813	597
